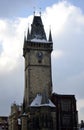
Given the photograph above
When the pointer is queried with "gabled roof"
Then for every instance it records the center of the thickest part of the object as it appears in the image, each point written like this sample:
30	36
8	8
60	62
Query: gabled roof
41	100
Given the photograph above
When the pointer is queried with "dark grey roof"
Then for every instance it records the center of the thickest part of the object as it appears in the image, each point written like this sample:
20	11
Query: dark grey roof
37	29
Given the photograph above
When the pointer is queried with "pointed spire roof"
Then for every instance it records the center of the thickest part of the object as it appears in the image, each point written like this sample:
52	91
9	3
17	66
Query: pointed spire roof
37	32
24	37
50	36
37	29
28	34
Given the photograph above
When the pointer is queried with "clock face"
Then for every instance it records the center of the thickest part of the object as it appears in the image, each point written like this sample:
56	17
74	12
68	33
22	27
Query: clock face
39	56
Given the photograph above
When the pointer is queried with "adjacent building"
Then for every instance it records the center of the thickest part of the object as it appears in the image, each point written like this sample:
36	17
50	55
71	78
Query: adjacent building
14	118
3	123
66	111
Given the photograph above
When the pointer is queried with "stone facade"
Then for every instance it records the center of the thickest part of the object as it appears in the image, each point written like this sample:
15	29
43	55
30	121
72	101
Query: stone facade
43	119
37	75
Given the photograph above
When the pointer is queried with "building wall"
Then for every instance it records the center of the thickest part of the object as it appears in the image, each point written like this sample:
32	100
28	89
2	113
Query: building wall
3	123
41	118
67	117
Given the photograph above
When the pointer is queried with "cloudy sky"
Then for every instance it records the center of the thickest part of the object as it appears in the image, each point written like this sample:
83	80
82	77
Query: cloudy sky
66	18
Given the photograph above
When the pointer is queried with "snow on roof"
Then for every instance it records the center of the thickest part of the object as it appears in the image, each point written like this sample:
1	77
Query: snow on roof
37	102
39	40
24	114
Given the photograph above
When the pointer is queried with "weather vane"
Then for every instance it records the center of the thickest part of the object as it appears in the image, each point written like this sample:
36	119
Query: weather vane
40	11
34	11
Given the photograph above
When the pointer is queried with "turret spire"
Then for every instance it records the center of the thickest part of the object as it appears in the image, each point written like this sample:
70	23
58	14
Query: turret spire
50	36
28	34
24	37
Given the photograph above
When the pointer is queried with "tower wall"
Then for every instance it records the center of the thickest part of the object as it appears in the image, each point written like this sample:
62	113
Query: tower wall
38	76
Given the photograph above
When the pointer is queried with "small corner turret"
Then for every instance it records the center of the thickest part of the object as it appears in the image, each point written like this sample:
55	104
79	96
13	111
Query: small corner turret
50	36
28	34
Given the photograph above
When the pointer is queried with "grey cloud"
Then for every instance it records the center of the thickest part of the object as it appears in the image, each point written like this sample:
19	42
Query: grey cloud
68	71
1	48
81	112
11	88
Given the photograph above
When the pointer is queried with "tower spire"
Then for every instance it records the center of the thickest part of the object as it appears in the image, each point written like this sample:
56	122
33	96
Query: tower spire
37	29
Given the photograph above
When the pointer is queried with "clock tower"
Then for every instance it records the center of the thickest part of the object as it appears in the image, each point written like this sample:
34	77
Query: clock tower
41	110
37	54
